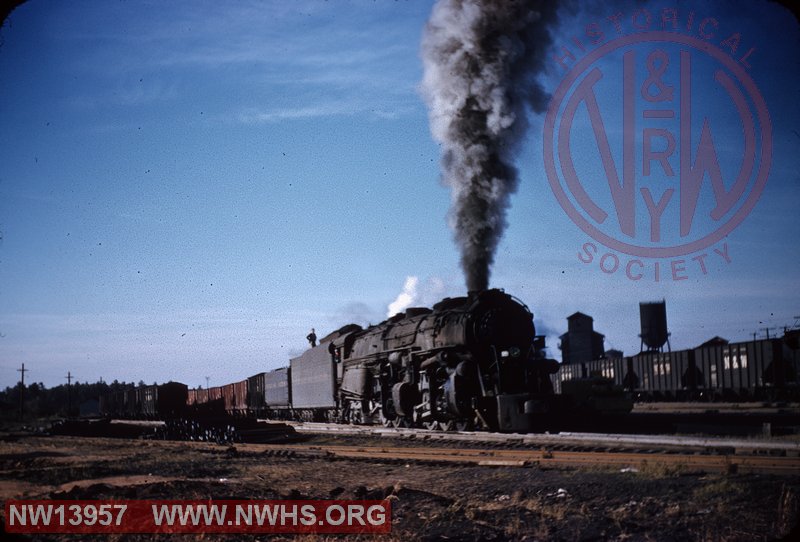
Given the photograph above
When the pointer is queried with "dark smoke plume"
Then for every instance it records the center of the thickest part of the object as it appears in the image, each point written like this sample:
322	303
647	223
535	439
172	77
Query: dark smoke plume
481	59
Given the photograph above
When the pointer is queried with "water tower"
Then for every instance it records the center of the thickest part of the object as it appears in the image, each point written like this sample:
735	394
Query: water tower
653	317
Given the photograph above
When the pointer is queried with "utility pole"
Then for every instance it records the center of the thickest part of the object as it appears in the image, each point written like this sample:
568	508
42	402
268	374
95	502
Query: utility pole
206	382
22	391
69	393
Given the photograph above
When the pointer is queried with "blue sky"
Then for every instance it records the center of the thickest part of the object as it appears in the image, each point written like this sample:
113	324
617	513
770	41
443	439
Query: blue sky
187	187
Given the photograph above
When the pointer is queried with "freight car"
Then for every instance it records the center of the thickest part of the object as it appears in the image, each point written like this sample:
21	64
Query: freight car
593	388
269	394
764	369
157	401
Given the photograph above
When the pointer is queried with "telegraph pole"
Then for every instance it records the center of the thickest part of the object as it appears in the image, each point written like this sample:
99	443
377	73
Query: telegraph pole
69	393
22	391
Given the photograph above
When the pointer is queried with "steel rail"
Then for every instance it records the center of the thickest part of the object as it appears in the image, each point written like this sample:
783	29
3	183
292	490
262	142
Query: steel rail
642	460
738	446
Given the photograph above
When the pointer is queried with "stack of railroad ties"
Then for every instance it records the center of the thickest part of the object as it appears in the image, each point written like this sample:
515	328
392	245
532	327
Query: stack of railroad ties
221	430
225	431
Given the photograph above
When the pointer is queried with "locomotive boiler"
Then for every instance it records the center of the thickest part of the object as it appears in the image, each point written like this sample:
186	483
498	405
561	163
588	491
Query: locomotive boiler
470	362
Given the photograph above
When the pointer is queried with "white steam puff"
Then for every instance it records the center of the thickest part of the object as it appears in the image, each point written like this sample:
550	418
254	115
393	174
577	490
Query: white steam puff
416	295
481	59
406	298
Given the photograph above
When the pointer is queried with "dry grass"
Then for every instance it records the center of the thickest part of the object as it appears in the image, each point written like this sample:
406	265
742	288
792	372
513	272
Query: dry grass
722	489
659	469
788	514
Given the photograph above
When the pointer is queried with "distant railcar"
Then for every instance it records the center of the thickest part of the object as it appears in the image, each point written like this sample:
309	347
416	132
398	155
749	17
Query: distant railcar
594	387
761	369
163	400
268	394
114	404
236	398
659	374
255	394
215	394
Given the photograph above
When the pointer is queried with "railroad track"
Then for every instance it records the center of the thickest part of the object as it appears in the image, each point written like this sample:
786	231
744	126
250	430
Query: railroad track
563	440
634	452
624	460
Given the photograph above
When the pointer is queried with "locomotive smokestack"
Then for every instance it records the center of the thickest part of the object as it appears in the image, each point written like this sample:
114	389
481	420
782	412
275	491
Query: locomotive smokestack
481	58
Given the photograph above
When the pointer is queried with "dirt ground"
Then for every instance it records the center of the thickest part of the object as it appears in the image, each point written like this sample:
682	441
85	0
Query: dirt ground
429	502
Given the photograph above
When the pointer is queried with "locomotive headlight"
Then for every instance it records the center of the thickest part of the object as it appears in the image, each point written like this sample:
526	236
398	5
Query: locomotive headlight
512	352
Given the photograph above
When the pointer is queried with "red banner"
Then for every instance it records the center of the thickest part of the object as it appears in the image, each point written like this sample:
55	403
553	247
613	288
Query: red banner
197	516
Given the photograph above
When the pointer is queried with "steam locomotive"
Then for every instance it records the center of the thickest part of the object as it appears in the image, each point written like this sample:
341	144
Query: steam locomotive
471	362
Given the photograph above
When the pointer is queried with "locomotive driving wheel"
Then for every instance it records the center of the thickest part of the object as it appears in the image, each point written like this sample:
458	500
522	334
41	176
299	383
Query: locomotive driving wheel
388	415
371	411
464	425
428	421
449	425
402	421
388	421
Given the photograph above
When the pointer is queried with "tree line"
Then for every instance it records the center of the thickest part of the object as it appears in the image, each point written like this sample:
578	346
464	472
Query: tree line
39	401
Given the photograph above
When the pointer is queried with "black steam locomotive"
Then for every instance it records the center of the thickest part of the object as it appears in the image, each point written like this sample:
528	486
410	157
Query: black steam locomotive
470	362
